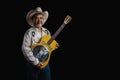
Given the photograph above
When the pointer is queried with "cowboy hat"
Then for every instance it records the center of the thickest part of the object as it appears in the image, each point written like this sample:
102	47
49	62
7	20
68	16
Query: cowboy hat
36	11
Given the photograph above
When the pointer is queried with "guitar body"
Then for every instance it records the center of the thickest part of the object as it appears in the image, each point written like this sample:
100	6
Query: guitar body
43	51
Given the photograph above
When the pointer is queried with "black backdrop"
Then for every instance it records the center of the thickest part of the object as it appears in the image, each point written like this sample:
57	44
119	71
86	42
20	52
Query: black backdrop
80	40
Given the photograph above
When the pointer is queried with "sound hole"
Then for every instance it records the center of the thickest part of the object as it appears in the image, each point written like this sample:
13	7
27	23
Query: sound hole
41	53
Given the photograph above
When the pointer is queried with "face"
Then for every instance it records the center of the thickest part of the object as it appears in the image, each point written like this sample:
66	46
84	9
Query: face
38	20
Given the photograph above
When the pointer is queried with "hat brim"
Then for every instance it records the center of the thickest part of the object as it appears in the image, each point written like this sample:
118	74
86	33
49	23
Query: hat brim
33	12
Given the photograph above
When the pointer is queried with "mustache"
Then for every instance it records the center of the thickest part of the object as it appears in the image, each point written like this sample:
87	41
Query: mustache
39	24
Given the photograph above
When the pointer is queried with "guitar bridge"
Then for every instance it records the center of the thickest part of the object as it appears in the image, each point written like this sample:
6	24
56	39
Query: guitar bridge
43	43
49	48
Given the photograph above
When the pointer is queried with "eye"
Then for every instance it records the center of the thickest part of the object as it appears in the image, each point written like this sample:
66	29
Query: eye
41	18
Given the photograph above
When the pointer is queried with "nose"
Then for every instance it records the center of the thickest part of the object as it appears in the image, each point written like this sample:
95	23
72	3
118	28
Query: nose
40	19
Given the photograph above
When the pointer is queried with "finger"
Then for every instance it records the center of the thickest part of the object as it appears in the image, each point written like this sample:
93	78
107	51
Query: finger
41	64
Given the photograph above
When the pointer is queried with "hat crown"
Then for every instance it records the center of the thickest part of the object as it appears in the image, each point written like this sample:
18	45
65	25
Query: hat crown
38	9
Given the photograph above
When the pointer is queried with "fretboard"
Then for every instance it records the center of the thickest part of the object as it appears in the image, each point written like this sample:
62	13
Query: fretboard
56	33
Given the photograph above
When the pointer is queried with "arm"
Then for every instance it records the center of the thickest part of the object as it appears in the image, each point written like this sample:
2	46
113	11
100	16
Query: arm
27	52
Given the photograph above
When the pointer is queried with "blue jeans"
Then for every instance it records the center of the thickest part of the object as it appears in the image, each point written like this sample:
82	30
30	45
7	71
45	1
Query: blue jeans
36	74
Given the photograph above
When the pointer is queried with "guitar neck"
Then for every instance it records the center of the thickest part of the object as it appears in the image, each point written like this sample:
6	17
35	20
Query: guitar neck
56	33
67	20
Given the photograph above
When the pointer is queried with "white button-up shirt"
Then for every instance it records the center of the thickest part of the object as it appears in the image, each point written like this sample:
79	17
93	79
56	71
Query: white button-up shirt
32	36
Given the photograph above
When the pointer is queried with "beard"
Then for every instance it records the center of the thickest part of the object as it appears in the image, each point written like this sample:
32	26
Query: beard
39	24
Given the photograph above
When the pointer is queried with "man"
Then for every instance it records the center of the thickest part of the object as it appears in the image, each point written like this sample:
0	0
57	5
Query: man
35	18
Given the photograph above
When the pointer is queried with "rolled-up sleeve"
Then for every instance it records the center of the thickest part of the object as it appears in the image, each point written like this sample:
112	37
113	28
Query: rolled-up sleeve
26	49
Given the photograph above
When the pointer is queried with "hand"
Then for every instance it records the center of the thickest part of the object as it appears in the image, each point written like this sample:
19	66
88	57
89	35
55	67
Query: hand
57	45
39	65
